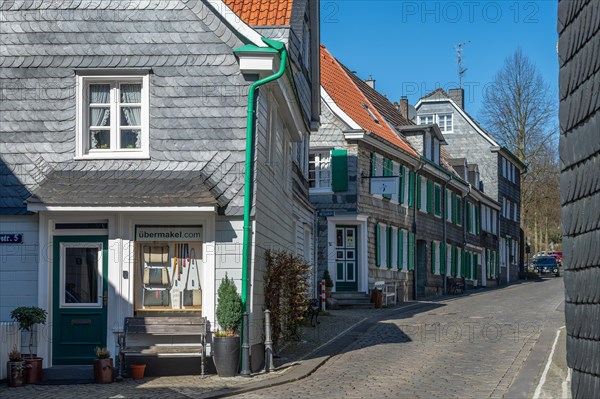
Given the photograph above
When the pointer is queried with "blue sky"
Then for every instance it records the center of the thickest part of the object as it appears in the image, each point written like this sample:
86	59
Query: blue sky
409	46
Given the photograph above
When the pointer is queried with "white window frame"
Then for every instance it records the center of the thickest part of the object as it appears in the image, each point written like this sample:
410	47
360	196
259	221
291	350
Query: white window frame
396	172
448	259
448	120
406	186
423	195
426	119
515	211
449	211
405	250
63	248
318	161
82	145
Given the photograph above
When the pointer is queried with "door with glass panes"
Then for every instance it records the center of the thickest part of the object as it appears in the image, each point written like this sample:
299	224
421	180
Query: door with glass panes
346	258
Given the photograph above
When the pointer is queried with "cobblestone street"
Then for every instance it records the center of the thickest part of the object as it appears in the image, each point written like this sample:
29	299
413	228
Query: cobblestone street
468	347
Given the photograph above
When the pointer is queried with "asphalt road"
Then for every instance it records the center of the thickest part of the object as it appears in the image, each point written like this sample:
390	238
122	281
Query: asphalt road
494	344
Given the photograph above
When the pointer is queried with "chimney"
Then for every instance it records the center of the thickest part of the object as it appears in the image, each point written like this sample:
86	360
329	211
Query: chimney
458	96
371	82
403	108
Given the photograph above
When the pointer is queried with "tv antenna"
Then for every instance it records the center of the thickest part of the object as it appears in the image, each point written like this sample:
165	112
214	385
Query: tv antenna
461	70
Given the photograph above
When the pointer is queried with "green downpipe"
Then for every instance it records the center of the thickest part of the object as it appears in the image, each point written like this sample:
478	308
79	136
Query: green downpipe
280	47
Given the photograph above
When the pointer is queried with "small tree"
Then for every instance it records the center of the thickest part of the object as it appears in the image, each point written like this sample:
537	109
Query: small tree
327	278
27	317
229	307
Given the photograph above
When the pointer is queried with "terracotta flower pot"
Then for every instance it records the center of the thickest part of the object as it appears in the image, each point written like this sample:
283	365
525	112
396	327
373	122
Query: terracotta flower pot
137	371
103	371
33	371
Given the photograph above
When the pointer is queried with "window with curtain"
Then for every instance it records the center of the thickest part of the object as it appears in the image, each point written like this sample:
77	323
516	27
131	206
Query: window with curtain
113	116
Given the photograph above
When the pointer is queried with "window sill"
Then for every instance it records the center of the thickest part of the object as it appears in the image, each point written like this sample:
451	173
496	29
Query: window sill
113	155
320	191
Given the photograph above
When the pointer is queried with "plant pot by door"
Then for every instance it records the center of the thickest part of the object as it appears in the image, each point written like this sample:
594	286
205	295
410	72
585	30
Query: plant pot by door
137	371
103	371
33	370
226	354
15	373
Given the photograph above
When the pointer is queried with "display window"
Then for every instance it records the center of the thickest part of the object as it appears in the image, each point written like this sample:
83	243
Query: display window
168	275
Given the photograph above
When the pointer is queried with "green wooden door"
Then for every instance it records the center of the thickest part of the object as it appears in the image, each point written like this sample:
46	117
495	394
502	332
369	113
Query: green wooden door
80	276
346	259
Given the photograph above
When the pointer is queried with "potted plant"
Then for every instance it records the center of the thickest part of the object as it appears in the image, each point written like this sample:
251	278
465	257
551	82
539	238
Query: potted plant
28	317
14	369
226	352
103	366
328	283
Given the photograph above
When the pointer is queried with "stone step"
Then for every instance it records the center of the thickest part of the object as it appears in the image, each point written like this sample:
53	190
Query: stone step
357	295
64	375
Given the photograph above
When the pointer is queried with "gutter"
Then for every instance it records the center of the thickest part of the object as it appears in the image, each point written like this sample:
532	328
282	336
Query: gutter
414	229
444	229
248	189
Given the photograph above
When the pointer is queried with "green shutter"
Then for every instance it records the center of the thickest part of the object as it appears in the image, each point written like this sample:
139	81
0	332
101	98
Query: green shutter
400	248
475	264
459	211
437	200
419	192
453	206
387	171
388	247
443	258
477	220
411	250
411	188
401	183
339	170
373	164
429	196
469	223
377	246
453	258
432	257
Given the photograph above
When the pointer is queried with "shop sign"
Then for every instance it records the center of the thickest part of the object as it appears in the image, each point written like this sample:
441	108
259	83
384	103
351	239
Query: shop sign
12	238
384	185
168	233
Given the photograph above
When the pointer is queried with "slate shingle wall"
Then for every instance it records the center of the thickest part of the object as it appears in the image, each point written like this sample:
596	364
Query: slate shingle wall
579	84
197	95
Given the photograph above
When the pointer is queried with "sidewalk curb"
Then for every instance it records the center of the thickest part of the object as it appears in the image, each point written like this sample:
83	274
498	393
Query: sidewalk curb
330	349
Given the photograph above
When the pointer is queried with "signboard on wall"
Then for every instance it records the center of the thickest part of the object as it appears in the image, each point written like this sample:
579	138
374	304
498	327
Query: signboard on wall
384	185
12	238
168	233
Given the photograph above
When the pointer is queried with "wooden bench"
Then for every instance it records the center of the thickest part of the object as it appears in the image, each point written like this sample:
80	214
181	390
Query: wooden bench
388	290
164	337
454	285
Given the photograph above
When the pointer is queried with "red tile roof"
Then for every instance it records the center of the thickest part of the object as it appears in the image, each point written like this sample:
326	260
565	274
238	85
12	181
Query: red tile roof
338	83
262	12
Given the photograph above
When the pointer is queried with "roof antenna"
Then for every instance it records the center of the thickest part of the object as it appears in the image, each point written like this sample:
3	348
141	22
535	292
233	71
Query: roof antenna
461	70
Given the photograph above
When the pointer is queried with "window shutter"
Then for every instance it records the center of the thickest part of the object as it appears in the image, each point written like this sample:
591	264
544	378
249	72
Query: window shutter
400	248
469	222
388	247
463	266
401	184
373	164
387	171
475	264
429	196
459	211
477	220
432	257
453	259
339	170
377	246
419	192
443	255
411	250
437	200
453	204
411	188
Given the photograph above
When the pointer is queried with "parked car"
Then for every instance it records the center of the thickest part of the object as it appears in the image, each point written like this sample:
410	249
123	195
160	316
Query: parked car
558	255
546	264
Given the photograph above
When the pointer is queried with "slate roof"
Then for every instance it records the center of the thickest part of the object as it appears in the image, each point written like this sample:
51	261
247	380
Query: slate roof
262	12
337	80
579	113
197	101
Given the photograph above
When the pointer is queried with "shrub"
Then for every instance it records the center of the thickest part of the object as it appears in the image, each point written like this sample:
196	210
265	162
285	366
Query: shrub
229	307
14	355
286	288
327	278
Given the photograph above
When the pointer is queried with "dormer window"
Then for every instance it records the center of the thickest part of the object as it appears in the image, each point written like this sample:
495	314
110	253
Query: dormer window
426	119
445	123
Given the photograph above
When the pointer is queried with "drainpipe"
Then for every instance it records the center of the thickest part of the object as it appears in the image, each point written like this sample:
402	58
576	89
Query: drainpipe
464	221
280	47
444	206
414	230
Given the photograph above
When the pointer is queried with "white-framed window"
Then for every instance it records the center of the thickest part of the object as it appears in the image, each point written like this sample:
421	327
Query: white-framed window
319	170
113	116
404	250
426	119
445	123
448	260
423	195
449	208
515	211
494	221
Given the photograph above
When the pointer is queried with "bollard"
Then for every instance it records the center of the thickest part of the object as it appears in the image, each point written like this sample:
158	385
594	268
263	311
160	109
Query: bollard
323	296
268	343
245	372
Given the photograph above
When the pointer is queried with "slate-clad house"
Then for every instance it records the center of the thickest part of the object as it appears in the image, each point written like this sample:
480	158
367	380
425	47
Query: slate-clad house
123	133
499	169
579	115
365	235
